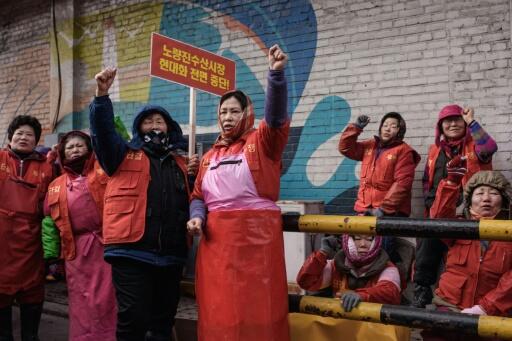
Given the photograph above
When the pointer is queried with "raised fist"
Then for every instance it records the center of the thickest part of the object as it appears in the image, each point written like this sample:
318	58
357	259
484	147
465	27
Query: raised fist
104	81
468	115
362	121
277	59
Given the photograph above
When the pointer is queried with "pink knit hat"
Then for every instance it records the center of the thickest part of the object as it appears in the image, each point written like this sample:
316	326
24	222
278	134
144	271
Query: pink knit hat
447	111
350	250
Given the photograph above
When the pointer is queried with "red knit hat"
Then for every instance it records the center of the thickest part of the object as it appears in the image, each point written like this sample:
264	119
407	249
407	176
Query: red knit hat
447	111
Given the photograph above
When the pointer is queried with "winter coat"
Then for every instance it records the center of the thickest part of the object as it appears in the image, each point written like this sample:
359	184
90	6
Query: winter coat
471	278
386	177
139	181
379	284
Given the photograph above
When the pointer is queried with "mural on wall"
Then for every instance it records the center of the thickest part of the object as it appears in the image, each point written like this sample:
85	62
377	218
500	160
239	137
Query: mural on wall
217	28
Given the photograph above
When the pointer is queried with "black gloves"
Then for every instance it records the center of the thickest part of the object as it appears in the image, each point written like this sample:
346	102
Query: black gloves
350	300
329	246
362	121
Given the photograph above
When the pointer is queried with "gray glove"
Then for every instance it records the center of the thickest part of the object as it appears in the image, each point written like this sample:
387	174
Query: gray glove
362	121
350	300
376	212
329	246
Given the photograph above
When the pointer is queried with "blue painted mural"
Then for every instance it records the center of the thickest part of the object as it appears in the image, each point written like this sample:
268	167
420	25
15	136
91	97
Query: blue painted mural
263	23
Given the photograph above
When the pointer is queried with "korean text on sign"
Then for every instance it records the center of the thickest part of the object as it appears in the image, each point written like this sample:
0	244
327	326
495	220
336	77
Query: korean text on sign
188	65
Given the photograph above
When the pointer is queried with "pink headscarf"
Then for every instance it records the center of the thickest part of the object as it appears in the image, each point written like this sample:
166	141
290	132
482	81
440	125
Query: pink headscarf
245	124
350	250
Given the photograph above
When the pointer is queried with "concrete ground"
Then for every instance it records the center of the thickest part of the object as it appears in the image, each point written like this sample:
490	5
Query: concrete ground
54	322
52	327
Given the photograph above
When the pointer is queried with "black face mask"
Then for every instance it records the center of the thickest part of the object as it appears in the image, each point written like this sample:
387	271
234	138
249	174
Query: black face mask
156	140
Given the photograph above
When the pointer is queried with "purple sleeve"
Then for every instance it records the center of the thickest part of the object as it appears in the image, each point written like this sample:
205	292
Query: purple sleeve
485	146
276	101
197	209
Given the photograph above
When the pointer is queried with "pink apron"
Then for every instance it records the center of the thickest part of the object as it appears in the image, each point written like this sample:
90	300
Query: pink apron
92	303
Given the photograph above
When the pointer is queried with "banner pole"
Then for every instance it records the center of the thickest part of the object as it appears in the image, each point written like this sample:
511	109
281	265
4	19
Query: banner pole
192	123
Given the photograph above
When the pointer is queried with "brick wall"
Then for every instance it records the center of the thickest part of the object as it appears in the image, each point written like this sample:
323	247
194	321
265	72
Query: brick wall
24	61
346	58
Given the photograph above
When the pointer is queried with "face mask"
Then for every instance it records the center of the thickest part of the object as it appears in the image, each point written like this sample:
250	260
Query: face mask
157	139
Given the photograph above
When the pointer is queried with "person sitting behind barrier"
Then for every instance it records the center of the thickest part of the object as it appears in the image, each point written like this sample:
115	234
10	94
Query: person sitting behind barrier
478	274
359	271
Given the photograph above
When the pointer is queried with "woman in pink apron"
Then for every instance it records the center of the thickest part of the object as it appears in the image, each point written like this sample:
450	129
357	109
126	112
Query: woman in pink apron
241	283
75	203
24	178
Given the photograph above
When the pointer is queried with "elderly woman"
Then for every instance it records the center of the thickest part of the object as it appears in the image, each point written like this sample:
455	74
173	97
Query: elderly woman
240	273
360	271
387	174
24	178
75	203
457	133
355	268
478	274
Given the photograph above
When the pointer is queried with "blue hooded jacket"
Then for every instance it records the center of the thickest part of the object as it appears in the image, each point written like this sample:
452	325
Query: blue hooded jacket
109	146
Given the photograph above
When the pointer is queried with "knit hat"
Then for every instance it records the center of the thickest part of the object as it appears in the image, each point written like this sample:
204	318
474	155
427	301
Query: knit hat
448	111
350	250
493	179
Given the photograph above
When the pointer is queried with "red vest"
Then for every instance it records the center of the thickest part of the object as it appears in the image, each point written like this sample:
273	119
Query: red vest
469	280
21	197
474	164
124	214
16	198
57	202
377	177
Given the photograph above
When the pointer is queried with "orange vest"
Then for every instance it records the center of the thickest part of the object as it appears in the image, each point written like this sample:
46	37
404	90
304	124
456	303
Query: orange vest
58	204
16	202
474	164
124	214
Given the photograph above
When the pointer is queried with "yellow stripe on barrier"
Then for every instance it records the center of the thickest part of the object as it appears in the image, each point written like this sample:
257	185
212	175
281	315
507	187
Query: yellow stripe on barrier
338	224
494	326
495	229
369	312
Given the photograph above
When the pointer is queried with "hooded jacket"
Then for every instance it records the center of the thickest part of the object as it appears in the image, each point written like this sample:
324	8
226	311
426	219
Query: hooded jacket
146	199
476	145
474	274
387	172
56	198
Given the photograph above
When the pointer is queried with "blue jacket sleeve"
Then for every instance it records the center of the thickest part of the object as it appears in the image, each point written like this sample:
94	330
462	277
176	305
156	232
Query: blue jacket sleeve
109	146
276	102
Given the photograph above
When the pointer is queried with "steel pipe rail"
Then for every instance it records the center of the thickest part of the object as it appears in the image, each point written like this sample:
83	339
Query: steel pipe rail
400	226
484	326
